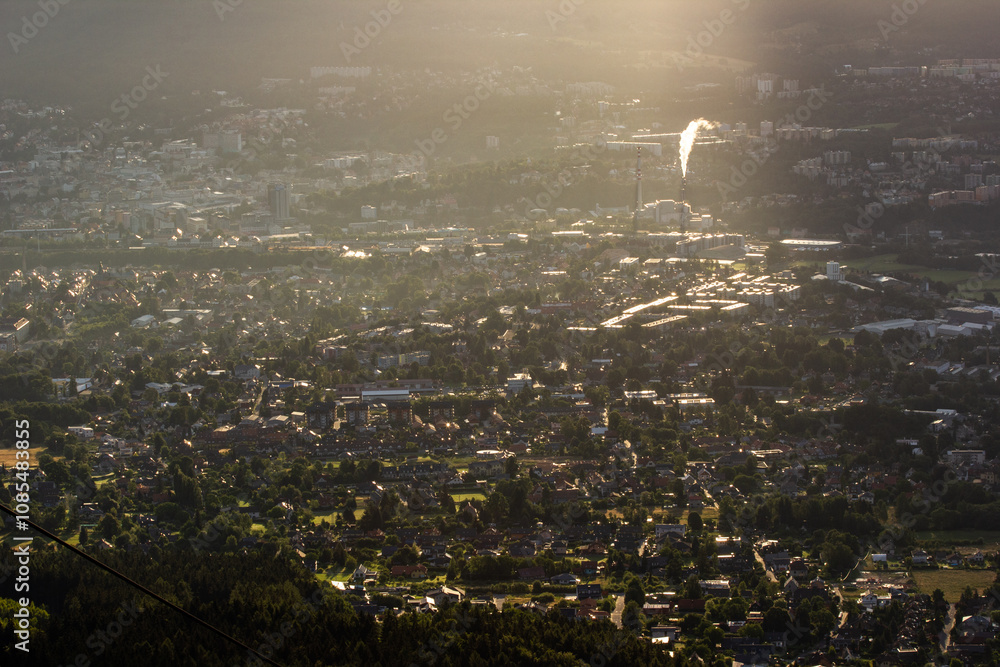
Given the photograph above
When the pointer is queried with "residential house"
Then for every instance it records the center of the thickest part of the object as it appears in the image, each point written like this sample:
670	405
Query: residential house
715	587
798	568
446	595
536	573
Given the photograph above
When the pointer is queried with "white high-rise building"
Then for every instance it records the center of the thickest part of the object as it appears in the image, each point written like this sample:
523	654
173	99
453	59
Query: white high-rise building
277	200
837	157
833	272
231	142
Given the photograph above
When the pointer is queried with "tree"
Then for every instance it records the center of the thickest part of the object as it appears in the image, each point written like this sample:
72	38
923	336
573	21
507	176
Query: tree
635	593
371	519
108	527
776	256
405	555
837	556
158	442
496	508
745	483
822	620
694	522
692	589
446	501
615	378
776	619
680	494
597	395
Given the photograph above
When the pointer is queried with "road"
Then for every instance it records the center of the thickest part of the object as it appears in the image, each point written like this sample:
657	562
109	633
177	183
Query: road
260	397
498	600
770	574
616	615
949	623
844	617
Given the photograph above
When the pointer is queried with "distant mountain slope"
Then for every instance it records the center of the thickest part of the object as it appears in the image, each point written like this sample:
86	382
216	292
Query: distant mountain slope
94	50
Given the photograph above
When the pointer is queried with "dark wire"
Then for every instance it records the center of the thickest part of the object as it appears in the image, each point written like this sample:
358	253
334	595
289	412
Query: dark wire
138	586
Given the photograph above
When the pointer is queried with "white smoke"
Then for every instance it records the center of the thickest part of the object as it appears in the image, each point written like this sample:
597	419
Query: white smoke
688	137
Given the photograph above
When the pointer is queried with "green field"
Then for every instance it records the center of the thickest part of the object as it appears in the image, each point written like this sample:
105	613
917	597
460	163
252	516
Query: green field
707	514
462	497
460	461
328	515
952	582
963	541
101	480
8	456
889	264
334	575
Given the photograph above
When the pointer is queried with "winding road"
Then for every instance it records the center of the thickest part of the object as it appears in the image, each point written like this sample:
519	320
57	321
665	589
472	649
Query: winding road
949	623
769	573
616	615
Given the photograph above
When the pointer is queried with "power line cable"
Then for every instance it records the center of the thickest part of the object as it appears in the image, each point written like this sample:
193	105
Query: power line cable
136	585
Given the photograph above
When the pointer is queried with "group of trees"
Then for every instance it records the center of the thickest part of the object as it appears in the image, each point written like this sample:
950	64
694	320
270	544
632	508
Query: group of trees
78	607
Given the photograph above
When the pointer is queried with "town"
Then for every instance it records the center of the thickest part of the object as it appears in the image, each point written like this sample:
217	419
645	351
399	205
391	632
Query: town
726	396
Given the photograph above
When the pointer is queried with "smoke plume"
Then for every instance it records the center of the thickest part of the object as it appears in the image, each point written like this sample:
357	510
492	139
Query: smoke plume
687	140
